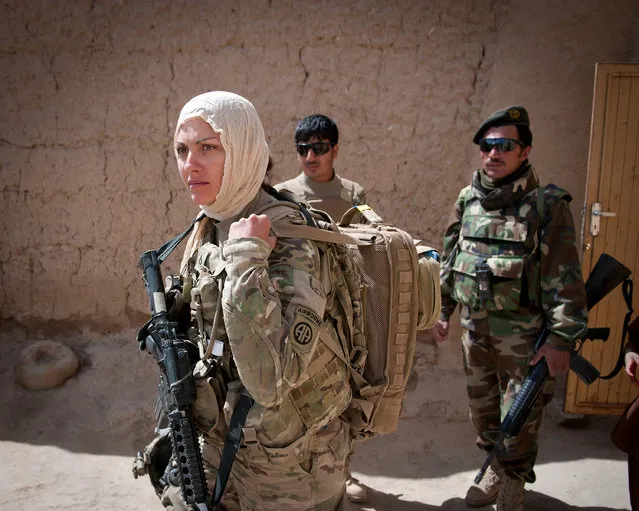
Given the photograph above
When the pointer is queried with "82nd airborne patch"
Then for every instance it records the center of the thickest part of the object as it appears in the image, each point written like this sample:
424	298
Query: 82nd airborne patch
305	327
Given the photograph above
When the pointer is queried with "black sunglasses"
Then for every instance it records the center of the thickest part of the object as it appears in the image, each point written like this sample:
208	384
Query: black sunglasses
318	148
503	145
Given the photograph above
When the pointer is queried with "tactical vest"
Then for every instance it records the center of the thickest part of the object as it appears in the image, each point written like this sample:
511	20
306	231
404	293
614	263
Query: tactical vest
496	265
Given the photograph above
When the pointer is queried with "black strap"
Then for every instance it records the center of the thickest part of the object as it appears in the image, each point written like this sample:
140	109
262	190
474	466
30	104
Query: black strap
165	250
627	288
231	446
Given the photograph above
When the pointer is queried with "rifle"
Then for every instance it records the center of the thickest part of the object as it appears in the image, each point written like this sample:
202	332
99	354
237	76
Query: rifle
176	389
607	274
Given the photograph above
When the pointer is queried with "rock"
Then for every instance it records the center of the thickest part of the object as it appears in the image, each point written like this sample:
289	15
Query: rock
45	365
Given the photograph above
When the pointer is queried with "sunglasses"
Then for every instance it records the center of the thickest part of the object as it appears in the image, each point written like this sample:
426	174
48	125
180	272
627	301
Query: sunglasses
502	145
318	148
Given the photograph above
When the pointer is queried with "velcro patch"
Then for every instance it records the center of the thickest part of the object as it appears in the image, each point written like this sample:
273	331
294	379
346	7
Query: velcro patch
305	327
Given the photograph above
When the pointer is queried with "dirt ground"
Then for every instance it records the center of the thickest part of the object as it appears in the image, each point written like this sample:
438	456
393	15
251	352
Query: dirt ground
72	447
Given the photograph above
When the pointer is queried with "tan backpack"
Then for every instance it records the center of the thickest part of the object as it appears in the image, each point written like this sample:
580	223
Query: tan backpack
395	285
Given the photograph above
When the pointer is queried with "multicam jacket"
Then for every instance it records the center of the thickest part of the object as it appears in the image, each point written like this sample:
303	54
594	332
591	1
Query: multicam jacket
270	336
522	247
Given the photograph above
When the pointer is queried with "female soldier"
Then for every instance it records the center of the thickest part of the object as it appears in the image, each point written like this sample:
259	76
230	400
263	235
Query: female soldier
261	312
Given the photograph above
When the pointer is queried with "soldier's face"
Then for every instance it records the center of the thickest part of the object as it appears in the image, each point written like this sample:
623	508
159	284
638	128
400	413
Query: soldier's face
318	167
500	164
200	158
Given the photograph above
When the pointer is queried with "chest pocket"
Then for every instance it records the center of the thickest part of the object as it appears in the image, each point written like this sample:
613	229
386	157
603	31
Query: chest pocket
489	264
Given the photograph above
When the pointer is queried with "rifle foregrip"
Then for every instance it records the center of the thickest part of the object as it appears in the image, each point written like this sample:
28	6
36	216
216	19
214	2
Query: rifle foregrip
189	459
525	399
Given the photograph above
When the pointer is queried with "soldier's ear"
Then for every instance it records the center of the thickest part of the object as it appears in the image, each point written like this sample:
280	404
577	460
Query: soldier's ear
335	150
525	152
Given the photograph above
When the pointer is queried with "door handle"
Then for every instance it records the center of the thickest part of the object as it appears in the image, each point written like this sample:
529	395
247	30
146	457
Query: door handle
595	217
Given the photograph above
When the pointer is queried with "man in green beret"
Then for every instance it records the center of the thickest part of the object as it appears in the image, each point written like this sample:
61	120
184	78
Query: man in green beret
510	261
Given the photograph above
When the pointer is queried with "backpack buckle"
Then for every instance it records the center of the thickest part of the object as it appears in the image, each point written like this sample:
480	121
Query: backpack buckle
358	358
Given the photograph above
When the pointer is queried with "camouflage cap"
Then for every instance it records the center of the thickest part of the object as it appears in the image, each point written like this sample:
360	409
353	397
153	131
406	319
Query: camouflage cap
515	114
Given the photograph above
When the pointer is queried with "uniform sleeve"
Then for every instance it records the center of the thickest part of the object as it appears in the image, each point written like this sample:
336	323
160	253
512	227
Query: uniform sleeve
451	236
266	296
563	293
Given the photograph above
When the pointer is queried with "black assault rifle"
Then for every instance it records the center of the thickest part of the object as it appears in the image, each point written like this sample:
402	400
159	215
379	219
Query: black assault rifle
177	388
607	274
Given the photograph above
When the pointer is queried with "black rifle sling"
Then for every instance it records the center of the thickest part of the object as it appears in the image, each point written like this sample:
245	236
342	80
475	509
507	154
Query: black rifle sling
626	288
165	250
232	444
234	436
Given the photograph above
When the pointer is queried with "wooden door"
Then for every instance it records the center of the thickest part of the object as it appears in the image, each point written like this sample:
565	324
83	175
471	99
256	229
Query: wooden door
613	183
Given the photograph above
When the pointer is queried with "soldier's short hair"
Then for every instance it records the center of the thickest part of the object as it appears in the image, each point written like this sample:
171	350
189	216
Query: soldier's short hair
317	125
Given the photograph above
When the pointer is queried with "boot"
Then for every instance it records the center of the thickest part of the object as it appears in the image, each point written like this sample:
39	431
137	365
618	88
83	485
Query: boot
486	491
511	495
355	491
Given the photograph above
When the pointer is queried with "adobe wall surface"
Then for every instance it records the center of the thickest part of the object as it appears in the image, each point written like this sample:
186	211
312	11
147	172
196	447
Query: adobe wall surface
91	91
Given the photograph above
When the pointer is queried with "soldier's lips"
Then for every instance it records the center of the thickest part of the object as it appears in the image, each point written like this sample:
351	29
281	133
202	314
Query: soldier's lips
197	184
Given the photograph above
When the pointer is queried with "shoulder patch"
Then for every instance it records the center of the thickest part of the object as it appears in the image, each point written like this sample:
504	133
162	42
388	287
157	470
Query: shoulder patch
305	327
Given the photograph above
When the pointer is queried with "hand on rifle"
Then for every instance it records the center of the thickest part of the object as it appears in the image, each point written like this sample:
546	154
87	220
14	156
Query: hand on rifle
558	360
440	330
632	363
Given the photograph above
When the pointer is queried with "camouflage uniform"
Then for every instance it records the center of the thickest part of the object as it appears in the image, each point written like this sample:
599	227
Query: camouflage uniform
276	310
498	231
334	196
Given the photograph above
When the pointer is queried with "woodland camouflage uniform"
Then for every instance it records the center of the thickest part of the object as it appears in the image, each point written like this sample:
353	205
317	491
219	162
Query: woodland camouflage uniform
526	245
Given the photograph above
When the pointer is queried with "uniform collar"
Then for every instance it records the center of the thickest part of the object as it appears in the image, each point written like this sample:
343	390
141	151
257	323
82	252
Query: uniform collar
507	194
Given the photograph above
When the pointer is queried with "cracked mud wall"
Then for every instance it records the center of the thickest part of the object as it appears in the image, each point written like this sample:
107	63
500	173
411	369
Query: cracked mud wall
91	91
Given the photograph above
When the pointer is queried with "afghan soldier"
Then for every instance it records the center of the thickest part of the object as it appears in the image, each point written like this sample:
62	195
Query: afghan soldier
317	145
511	262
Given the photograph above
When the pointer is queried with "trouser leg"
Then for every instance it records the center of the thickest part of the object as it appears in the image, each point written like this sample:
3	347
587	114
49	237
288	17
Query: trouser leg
495	370
308	475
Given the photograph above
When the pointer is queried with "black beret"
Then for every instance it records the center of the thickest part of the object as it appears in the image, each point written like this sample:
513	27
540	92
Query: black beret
515	115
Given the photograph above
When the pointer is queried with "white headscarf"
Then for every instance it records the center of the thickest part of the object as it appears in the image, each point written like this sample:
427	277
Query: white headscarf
246	150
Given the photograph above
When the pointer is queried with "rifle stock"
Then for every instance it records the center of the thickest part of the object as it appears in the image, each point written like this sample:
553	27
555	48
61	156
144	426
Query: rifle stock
607	274
177	388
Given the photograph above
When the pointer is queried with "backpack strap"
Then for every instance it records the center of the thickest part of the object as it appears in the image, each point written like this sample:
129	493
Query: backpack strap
284	226
365	210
